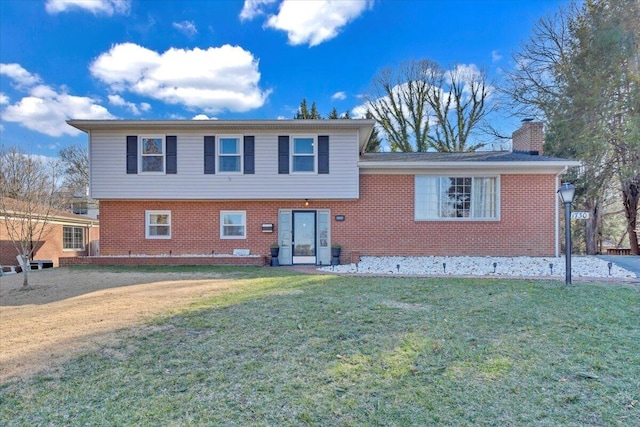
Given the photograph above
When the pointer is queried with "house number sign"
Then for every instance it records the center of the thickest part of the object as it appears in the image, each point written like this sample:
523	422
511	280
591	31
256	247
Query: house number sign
579	215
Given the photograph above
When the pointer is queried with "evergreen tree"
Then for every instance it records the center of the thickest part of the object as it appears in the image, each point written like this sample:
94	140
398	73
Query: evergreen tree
304	113
373	145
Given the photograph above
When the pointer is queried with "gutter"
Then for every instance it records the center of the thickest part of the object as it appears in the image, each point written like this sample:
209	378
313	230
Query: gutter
468	164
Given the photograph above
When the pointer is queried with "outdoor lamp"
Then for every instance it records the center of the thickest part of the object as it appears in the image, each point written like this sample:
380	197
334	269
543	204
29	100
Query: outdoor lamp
566	193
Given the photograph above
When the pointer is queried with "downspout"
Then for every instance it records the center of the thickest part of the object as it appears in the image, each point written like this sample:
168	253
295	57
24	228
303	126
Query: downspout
557	213
88	239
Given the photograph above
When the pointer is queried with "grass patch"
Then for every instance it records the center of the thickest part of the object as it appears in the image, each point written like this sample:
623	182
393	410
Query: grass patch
280	348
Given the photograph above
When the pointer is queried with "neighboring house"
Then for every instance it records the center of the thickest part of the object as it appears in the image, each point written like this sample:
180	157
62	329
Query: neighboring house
202	187
66	235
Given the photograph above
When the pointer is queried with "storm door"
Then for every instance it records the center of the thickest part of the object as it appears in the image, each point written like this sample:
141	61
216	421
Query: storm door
304	237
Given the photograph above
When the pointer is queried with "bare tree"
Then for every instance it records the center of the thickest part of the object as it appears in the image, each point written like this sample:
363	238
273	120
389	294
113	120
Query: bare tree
75	160
28	199
398	102
75	163
421	106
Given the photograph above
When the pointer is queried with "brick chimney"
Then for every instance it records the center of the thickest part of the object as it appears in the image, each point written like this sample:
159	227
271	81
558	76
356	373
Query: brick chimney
529	138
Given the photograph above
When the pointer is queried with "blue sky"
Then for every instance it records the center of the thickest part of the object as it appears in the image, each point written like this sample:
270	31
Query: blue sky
253	59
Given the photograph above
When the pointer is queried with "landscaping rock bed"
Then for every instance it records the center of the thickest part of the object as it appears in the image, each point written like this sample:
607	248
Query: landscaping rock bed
552	267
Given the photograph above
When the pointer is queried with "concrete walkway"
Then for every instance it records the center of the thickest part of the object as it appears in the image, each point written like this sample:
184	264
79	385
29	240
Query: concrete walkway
628	262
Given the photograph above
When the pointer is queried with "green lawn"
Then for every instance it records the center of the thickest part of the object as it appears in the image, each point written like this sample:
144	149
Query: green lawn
290	349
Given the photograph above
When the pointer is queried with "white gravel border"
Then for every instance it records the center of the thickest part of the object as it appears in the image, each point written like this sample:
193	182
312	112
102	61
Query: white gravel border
552	267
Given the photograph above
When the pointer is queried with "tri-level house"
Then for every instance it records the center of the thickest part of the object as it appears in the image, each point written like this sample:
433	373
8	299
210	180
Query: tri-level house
216	186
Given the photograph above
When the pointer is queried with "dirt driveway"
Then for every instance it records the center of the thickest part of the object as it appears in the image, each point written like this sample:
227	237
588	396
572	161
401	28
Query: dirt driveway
66	312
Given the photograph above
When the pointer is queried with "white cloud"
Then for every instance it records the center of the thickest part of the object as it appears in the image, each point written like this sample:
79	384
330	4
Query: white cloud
314	22
20	76
216	79
186	27
339	96
107	7
46	109
119	101
203	117
252	8
4	99
495	56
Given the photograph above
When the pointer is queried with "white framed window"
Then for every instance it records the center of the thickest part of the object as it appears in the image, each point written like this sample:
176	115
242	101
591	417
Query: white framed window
158	224
72	238
456	198
230	150
303	154
152	153
233	224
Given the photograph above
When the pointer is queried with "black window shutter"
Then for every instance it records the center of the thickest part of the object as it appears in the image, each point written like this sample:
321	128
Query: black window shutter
132	154
323	154
283	154
209	154
172	154
249	155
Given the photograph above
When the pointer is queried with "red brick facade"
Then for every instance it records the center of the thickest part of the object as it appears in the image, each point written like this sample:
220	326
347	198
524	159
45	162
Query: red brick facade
529	138
381	222
50	247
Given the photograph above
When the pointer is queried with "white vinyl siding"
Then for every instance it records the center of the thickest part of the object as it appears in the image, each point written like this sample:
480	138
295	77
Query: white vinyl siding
158	224
456	198
110	181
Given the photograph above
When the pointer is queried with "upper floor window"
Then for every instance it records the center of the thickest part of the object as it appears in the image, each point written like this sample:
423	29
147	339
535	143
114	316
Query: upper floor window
439	197
152	151
230	154
303	154
158	224
73	238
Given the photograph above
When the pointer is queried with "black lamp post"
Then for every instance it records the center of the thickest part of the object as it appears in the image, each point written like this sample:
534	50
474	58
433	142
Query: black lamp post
566	193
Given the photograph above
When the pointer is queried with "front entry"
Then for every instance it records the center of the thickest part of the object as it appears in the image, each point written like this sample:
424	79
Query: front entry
304	237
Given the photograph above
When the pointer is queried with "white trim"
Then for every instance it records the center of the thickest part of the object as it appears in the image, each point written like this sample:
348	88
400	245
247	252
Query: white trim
292	154
147	224
240	153
438	168
141	154
244	224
